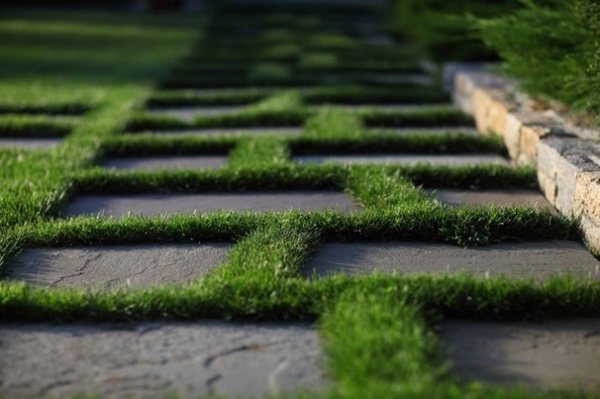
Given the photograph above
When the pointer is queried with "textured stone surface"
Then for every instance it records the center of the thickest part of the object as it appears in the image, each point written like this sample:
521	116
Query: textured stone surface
152	205
149	360
235	131
407	159
538	260
431	131
382	107
560	161
118	266
492	197
587	196
175	162
190	113
29	143
558	354
392	78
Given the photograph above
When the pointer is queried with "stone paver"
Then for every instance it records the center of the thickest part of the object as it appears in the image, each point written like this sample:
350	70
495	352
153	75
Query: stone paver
150	360
30	143
539	260
406	159
392	78
167	162
234	131
431	131
153	205
380	107
190	113
528	198
118	266
558	354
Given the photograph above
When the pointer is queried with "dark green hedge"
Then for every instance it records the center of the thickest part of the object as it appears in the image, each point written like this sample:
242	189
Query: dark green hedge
553	49
443	30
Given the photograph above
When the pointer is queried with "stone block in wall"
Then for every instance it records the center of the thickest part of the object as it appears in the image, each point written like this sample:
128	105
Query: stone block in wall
587	195
560	161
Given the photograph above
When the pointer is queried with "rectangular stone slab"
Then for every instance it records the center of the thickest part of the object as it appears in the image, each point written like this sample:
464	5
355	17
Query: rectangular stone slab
538	260
30	143
150	360
112	267
380	107
431	131
529	198
166	162
561	354
160	204
190	113
405	159
233	131
391	78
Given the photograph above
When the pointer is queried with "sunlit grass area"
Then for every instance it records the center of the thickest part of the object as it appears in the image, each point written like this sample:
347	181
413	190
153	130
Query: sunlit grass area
95	79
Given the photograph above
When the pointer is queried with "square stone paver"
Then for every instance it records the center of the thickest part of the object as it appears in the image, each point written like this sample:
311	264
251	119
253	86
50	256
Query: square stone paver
167	162
190	113
114	267
538	260
558	354
150	360
30	143
234	131
529	198
405	159
160	204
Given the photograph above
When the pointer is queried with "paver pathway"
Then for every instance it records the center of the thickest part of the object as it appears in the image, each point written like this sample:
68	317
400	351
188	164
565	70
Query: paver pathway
253	359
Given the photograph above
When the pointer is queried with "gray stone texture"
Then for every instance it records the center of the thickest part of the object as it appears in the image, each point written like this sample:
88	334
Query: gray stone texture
234	131
559	354
405	159
125	266
381	107
394	78
150	360
166	162
156	204
188	114
431	131
537	260
30	143
527	198
560	161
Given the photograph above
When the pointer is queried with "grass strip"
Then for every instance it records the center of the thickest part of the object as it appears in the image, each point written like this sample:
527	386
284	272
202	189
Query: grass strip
259	153
274	253
333	123
264	298
418	222
18	126
75	109
281	177
366	95
395	347
246	118
147	145
390	143
440	116
176	98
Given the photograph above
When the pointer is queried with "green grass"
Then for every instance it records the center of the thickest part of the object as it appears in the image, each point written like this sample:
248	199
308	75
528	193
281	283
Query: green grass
321	95
261	116
19	125
377	330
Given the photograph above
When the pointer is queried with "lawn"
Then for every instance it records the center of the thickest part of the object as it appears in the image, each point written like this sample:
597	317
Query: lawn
94	78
